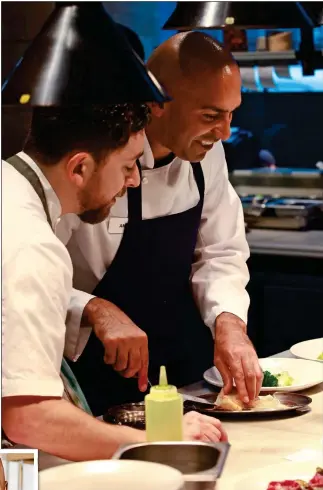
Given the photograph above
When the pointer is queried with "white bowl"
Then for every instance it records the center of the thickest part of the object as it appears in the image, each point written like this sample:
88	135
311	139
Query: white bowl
111	475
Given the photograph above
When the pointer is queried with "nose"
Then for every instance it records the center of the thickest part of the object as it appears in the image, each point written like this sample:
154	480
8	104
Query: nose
134	179
223	130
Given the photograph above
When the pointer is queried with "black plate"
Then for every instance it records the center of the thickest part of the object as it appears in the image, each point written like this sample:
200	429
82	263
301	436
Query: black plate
133	414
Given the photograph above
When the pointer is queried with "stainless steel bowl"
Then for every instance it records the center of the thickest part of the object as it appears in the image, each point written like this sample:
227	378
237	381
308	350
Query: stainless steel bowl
198	461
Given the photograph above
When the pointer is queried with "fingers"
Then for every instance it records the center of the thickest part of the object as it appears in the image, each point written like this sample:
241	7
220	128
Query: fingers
110	355
226	375
122	360
259	377
210	433
143	374
250	377
133	364
204	428
239	378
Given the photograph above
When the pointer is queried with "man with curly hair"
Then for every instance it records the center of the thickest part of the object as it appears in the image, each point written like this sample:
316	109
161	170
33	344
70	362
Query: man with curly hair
75	160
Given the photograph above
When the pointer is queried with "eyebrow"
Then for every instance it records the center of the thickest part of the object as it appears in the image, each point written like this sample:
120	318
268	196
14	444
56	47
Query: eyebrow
217	109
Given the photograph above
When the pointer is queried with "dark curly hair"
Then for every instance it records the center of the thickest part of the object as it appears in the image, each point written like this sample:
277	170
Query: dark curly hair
56	131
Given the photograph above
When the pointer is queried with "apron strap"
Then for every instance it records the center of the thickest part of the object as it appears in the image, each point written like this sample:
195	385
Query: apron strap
72	389
135	201
26	171
199	179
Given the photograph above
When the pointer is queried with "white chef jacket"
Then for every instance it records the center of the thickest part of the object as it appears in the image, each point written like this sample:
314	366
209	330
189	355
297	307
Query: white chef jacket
36	289
219	272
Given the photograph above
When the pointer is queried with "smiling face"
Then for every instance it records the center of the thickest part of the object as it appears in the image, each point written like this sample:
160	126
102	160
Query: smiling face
200	113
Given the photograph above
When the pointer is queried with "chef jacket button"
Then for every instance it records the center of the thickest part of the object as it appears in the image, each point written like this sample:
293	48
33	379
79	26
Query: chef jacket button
144	180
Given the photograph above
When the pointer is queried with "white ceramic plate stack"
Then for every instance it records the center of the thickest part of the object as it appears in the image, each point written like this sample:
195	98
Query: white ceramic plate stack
111	474
305	373
310	349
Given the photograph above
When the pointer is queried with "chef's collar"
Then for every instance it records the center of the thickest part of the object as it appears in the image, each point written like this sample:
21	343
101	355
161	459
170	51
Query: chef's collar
54	205
147	161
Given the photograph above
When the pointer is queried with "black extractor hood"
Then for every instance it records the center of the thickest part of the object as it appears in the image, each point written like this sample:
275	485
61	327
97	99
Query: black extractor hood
257	15
80	57
245	15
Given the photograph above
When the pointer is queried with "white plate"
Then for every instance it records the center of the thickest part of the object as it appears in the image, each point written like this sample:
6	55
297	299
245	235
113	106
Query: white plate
305	373
310	349
259	479
111	474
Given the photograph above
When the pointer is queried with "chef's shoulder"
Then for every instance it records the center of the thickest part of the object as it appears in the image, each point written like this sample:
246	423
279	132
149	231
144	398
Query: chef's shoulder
214	164
26	234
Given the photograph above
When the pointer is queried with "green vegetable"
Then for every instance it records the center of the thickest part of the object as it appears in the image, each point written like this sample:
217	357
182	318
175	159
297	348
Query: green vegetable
269	380
284	379
320	357
281	379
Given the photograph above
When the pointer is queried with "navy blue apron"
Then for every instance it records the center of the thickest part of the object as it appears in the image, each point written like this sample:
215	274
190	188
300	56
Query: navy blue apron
149	279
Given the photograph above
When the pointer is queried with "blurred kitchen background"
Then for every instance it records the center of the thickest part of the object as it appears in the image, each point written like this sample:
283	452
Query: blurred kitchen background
274	155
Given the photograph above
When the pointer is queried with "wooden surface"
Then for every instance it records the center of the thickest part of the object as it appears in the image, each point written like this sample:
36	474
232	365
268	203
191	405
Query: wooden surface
20	457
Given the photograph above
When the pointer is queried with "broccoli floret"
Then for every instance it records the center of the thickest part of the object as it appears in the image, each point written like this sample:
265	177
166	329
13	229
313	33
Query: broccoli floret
269	380
284	379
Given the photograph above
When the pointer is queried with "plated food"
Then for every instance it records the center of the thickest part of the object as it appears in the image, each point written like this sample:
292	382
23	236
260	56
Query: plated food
286	475
314	483
233	403
310	349
292	374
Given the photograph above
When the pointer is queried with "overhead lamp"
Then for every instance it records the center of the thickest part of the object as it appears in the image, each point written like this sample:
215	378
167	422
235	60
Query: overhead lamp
80	57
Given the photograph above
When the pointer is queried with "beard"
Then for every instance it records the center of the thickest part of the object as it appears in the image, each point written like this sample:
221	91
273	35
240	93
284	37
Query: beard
94	216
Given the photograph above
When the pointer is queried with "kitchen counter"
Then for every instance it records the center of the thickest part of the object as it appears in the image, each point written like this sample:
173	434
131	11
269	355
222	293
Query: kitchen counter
259	442
291	243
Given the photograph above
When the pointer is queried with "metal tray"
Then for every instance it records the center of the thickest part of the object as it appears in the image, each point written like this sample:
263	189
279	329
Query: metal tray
197	461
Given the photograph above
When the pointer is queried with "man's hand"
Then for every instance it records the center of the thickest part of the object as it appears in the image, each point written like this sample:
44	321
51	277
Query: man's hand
198	427
125	344
236	358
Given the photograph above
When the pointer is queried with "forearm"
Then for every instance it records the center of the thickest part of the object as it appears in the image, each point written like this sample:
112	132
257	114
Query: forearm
100	314
57	427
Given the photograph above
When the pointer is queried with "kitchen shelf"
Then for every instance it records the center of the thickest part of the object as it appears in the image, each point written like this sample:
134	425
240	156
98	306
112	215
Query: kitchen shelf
270	58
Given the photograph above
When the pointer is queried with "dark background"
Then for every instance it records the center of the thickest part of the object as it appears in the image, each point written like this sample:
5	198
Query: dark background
299	141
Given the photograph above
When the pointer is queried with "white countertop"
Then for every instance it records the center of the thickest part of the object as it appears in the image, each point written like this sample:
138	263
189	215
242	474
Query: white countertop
262	442
258	443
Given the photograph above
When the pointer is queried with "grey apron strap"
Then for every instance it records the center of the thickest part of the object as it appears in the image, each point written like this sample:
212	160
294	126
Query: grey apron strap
72	389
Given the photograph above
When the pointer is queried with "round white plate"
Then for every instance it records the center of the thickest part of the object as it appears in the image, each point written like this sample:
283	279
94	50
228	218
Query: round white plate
111	474
310	349
259	479
305	373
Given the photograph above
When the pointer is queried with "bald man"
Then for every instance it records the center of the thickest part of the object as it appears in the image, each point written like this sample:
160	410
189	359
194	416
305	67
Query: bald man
167	270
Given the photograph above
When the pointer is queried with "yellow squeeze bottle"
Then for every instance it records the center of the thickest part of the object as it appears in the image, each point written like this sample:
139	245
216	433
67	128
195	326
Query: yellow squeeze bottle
164	411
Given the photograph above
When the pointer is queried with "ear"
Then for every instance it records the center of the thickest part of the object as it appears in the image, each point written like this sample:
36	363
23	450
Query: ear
80	168
157	109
